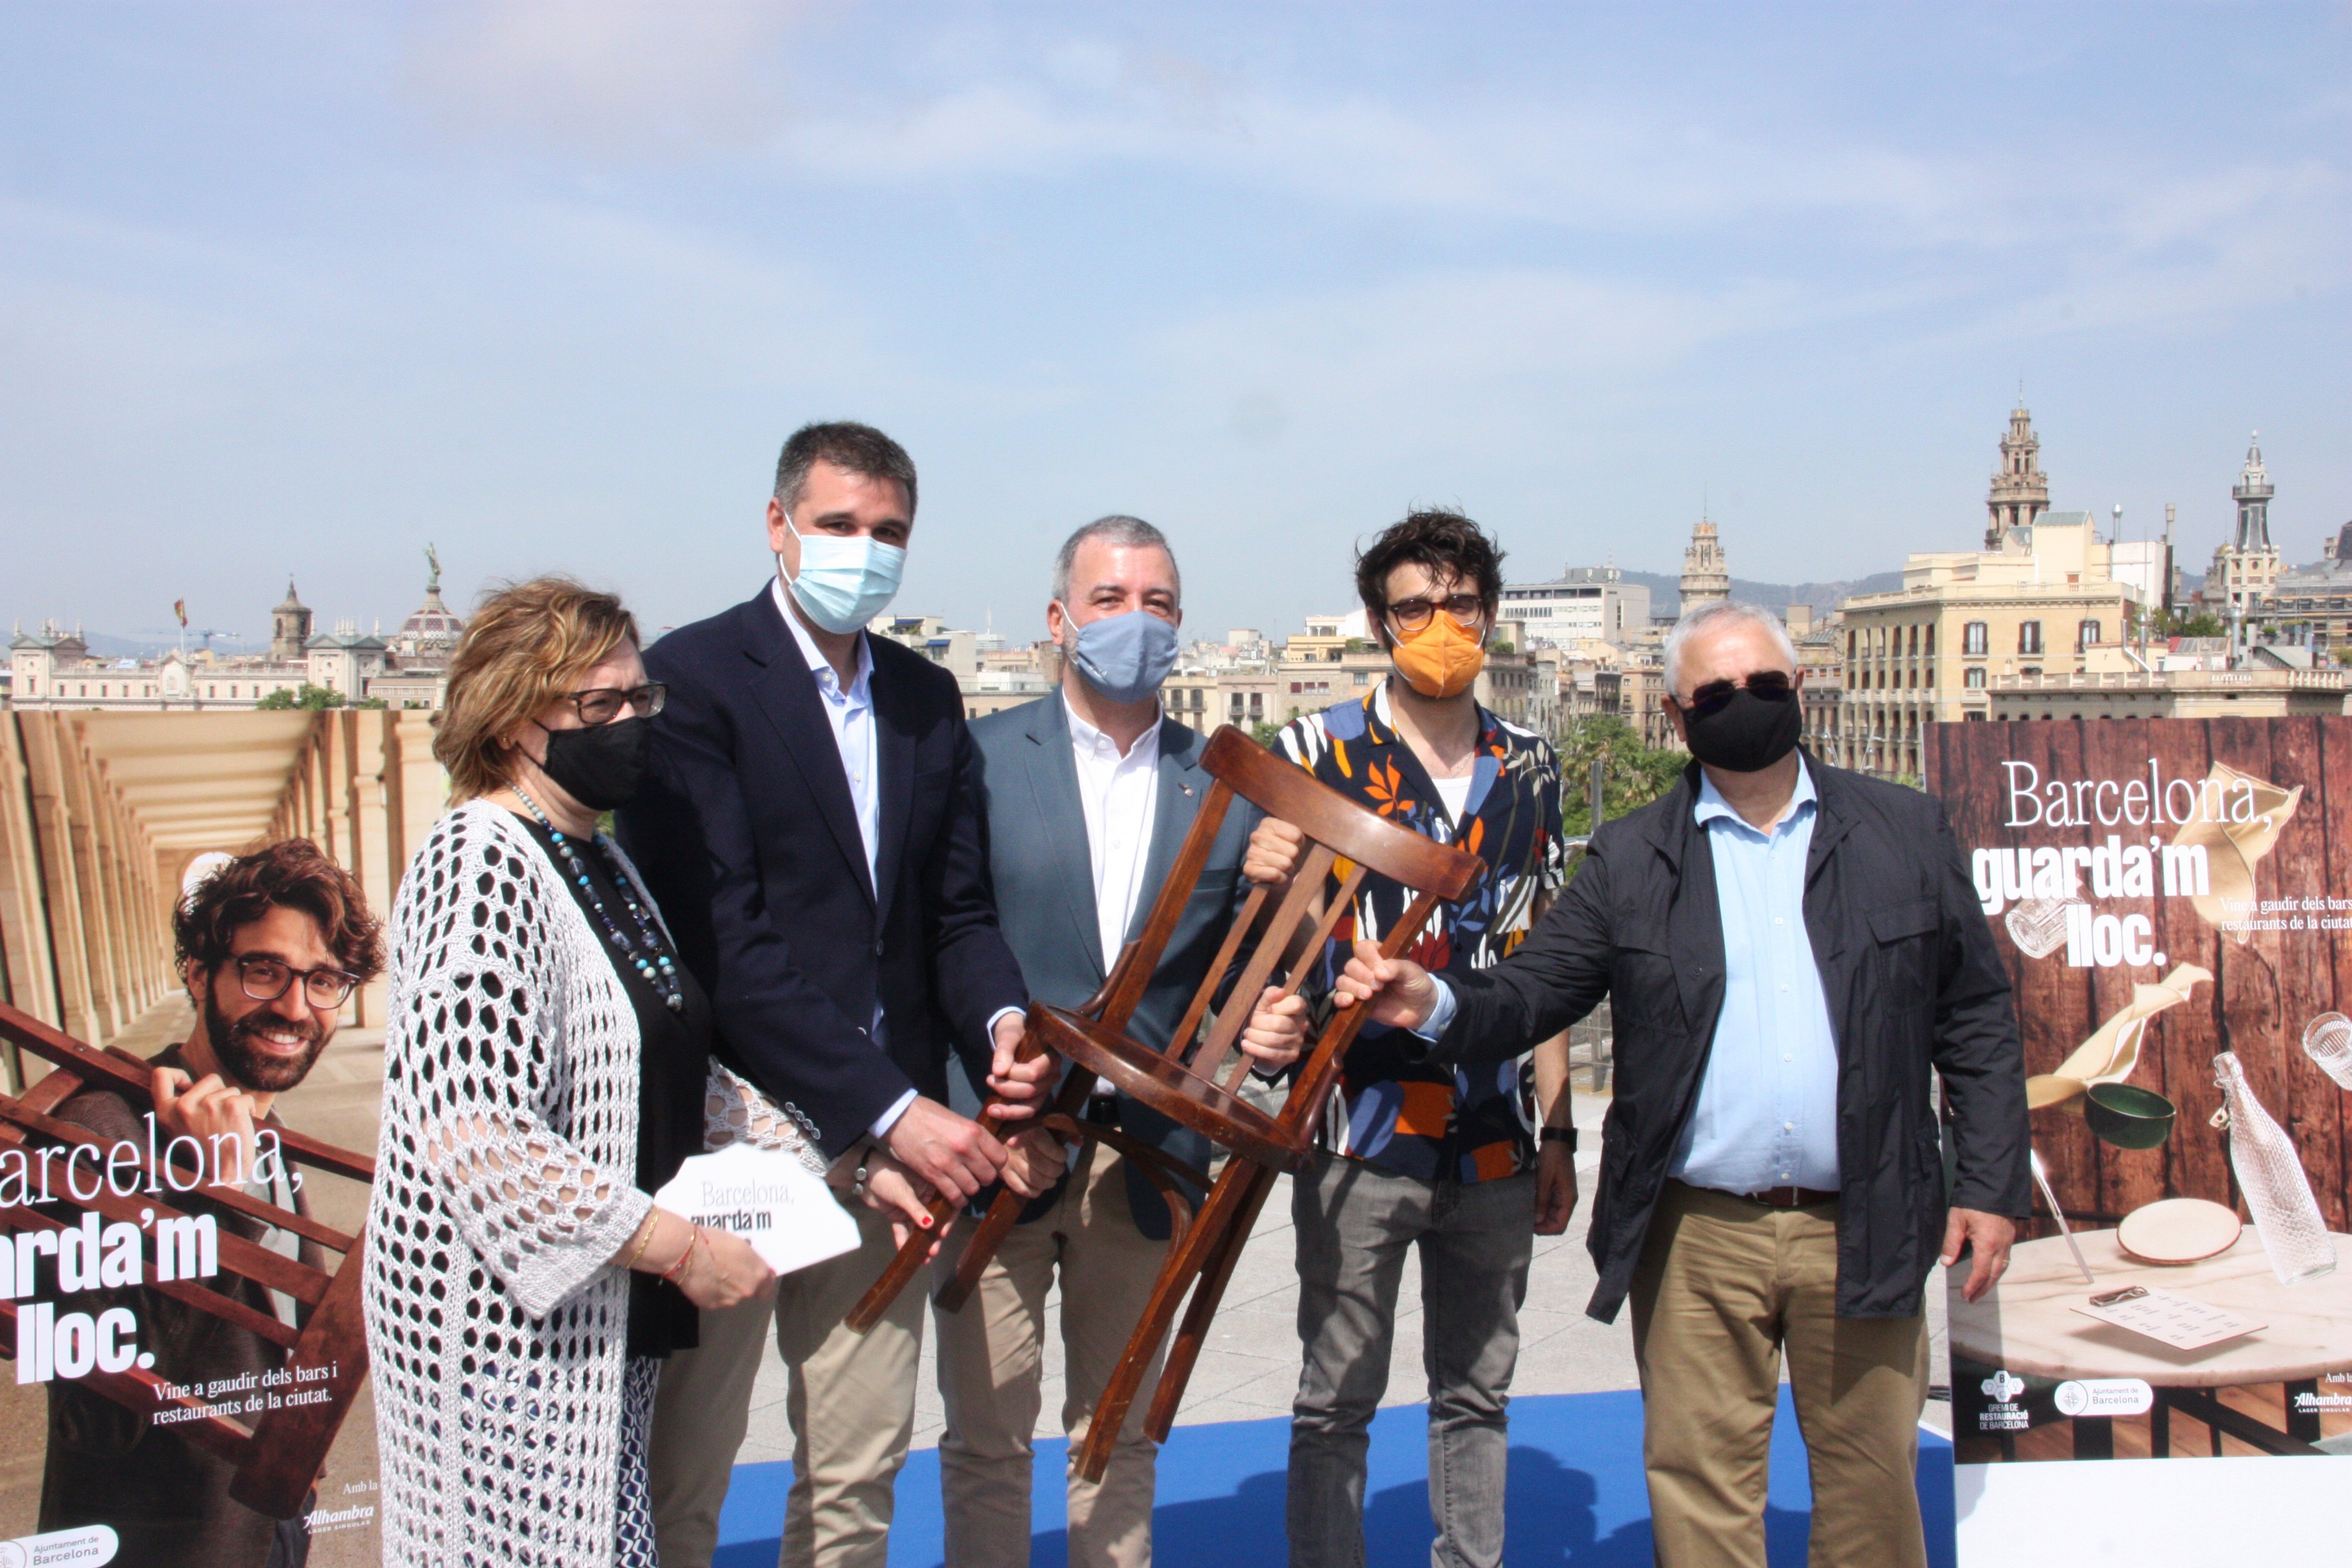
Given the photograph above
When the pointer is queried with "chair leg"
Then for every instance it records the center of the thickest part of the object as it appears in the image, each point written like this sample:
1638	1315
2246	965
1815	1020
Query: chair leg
1185	1351
1185	1261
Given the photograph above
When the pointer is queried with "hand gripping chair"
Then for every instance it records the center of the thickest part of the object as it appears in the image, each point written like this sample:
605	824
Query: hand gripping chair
1192	1081
276	1455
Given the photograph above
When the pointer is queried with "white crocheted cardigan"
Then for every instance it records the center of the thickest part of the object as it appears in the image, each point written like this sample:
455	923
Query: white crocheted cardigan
505	1184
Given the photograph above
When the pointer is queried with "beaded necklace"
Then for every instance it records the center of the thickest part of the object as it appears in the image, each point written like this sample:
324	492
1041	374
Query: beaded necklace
653	963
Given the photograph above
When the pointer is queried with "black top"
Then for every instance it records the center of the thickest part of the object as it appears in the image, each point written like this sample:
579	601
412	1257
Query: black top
672	1066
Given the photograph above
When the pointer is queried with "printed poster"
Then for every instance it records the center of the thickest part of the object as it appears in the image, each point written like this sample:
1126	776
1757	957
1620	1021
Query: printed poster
177	1392
2172	900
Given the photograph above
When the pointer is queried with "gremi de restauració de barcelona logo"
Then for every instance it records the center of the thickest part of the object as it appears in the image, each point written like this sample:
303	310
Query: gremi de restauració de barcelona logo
2003	1414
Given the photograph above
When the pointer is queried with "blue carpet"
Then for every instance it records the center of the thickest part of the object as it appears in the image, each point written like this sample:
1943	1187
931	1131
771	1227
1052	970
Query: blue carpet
1577	1498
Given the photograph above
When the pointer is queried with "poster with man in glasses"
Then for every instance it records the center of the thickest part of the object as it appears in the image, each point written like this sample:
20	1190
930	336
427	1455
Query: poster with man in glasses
269	946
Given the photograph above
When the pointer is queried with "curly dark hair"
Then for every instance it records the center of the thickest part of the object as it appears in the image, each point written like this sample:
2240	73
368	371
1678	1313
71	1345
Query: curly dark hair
1444	541
293	874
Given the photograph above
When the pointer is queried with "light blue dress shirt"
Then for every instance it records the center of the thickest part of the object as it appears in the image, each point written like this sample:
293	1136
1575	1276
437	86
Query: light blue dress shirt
1767	1109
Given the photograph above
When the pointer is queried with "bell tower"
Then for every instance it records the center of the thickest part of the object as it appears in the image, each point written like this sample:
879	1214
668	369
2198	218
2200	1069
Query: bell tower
2253	493
2246	569
1706	573
289	628
2020	491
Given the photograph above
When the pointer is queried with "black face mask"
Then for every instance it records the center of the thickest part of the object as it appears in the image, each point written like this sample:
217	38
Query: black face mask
601	765
1747	734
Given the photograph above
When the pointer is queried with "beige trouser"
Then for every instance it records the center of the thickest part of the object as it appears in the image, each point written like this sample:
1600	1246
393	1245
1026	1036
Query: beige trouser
990	1362
850	1399
1723	1288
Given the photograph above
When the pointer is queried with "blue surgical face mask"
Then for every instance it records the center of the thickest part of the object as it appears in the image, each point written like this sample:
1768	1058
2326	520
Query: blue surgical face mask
844	582
1126	657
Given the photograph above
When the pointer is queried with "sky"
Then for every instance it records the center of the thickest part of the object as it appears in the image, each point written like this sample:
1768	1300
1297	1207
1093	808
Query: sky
299	289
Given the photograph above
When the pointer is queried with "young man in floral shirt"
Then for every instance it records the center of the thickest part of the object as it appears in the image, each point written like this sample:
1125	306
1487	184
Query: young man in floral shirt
1465	1167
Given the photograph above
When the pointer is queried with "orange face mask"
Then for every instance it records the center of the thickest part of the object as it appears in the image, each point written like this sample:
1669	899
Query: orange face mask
1441	658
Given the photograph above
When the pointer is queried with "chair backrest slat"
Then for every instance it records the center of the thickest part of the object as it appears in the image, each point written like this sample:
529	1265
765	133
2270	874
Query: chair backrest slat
1333	908
1322	1066
1180	1043
1296	904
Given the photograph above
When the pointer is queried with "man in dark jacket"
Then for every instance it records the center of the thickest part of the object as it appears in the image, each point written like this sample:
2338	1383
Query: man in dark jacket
810	824
1795	953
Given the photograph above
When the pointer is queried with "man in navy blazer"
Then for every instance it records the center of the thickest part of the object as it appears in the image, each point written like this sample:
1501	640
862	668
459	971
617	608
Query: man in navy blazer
1090	794
811	829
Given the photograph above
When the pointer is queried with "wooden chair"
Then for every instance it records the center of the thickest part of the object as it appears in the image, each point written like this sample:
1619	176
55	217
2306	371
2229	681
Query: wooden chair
278	1455
1193	1082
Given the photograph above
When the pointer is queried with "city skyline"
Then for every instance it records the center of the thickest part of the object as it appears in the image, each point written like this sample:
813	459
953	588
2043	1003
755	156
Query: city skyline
297	290
1999	499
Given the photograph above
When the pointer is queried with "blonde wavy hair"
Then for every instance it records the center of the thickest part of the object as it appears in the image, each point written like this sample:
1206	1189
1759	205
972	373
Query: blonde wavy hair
528	643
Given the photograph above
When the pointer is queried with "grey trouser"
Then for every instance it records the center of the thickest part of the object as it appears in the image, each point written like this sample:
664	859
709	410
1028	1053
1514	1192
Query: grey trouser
1354	1222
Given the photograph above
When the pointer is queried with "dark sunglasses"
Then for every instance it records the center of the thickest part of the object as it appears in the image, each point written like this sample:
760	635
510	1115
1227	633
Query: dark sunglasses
1772	685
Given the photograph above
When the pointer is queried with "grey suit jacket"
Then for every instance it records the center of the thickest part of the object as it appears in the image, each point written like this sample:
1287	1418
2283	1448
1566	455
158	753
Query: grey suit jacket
1042	877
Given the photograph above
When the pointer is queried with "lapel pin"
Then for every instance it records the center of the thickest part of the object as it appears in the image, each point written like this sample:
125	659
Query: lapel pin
1185	787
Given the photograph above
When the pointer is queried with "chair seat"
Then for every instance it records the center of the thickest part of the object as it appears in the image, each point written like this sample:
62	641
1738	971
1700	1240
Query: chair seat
1170	1088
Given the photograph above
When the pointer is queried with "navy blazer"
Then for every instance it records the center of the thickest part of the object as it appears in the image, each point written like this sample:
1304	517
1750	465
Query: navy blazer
1041	875
746	834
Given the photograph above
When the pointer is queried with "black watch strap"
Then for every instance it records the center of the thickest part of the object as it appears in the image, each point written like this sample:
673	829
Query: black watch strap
1567	1135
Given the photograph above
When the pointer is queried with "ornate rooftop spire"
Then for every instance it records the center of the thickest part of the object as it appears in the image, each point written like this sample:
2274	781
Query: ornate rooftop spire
2020	491
2253	493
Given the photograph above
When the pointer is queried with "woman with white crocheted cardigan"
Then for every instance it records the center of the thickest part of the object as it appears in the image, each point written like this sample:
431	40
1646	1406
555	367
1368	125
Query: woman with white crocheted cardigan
546	1066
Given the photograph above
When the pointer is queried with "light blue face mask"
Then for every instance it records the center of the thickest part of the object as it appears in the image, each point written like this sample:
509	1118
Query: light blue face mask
845	583
1126	657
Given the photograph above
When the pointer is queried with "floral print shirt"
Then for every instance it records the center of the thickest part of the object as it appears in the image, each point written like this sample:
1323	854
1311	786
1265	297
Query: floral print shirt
1408	1117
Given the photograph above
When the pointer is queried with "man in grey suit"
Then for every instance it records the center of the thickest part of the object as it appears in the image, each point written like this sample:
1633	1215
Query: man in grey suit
1089	794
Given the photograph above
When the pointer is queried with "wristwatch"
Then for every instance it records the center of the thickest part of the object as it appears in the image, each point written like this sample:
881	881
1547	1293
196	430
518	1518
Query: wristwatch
1567	1135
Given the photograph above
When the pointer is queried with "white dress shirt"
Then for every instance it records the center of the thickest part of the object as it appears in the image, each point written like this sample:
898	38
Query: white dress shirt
1121	796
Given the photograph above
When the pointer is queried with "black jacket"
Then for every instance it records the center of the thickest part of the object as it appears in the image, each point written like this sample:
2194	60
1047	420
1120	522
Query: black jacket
1913	989
746	834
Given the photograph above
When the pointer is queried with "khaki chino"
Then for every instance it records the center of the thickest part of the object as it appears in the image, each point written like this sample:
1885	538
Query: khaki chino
991	1368
851	1404
1724	1288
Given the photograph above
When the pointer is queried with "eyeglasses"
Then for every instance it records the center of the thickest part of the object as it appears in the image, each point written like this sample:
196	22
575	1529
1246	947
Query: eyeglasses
1412	614
268	979
1772	685
601	704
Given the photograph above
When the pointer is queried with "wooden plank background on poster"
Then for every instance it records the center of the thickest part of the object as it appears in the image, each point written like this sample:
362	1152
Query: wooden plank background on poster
2266	986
